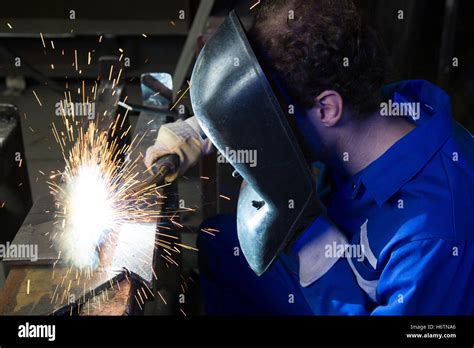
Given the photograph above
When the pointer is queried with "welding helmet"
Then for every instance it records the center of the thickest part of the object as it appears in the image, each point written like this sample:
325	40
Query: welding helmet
238	109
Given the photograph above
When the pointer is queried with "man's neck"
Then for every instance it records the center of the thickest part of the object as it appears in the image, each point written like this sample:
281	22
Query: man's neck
364	142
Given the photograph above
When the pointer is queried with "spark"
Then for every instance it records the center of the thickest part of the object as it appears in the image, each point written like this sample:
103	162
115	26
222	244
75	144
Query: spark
207	231
42	40
169	259
10	26
95	195
149	290
186	246
110	72
225	197
140	295
182	95
28	287
75	60
254	5
119	74
167	235
162	298
176	224
39	101
141	308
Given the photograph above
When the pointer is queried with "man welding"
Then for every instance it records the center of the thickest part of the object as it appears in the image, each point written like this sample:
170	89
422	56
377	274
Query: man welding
393	235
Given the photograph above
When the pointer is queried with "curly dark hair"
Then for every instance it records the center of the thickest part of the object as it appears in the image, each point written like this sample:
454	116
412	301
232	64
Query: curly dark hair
308	42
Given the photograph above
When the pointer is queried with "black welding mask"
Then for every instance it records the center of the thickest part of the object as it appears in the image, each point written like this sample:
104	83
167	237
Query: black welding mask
239	111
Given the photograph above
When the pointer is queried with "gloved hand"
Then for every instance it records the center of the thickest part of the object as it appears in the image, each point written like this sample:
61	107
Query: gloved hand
183	138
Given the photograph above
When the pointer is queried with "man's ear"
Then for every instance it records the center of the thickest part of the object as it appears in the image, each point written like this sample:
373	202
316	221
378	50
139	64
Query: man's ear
329	108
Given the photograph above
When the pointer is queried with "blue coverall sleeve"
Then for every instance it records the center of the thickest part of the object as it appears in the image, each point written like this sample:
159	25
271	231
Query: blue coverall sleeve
428	277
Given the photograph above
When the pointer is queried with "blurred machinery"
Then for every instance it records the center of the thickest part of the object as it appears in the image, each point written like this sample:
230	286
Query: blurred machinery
15	193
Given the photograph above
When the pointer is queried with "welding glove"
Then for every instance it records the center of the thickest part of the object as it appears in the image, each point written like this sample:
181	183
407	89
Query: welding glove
183	138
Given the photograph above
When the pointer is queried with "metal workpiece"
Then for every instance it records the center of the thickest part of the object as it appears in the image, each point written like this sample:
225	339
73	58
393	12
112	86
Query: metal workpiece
128	251
131	247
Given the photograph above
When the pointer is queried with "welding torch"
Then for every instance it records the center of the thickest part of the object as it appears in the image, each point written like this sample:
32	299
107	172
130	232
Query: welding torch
161	169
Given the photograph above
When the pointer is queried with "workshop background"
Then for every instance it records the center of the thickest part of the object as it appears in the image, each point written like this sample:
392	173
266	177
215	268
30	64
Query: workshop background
165	36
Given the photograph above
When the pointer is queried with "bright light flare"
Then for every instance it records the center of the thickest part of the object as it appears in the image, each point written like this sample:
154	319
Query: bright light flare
90	216
94	196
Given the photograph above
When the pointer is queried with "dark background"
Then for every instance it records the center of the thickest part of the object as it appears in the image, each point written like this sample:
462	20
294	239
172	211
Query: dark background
421	46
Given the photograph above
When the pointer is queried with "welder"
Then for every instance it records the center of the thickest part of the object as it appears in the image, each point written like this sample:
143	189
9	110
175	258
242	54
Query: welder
393	234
